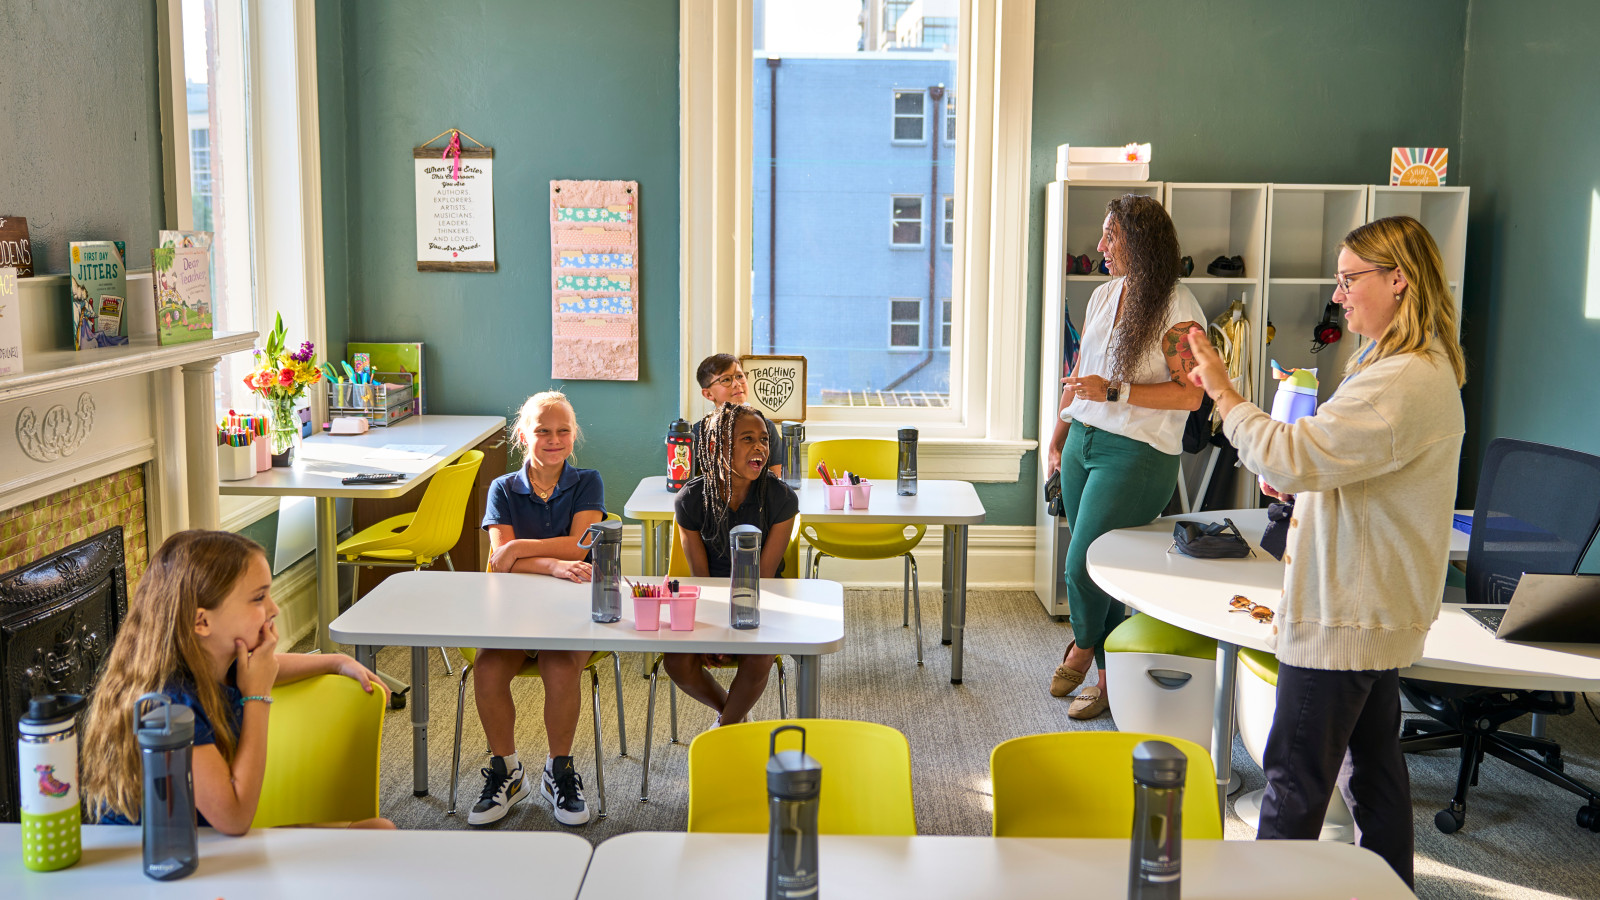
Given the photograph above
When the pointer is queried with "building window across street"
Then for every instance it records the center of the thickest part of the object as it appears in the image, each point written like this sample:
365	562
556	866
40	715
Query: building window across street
908	116
905	323
906	226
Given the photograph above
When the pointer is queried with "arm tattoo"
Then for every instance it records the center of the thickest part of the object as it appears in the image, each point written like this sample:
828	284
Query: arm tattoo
1180	359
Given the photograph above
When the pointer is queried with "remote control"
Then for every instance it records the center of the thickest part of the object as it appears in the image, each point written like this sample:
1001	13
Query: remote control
373	478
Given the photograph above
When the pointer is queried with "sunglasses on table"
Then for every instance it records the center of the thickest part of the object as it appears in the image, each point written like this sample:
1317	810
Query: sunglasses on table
1241	603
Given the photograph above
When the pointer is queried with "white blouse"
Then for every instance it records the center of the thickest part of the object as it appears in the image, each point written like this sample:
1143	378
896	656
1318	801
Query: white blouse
1160	428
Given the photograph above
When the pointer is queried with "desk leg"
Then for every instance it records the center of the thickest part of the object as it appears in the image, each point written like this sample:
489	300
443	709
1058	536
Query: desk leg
419	721
958	577
327	571
947	583
808	687
663	544
1222	722
647	547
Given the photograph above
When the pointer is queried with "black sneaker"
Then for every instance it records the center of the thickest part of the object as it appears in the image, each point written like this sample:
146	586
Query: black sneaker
1226	267
501	791
563	787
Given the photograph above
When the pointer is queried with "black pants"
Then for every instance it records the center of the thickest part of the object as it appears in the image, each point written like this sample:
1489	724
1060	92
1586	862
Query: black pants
1337	728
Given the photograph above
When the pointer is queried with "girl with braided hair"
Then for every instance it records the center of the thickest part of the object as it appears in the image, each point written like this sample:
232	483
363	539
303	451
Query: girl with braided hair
737	487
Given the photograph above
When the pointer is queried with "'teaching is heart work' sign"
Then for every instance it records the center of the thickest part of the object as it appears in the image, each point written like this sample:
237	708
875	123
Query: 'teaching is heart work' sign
777	386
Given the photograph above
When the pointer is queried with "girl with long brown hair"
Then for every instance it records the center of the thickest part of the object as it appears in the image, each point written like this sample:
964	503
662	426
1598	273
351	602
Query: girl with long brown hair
1122	416
202	629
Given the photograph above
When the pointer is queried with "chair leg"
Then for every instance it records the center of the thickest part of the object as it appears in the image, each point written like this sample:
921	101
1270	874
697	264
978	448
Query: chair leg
905	593
455	755
783	690
672	703
916	601
599	755
442	651
649	734
622	726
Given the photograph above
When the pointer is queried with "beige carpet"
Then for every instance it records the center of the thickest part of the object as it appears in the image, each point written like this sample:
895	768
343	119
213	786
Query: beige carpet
1520	840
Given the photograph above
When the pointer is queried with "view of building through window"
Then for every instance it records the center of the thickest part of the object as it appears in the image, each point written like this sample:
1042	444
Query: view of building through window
853	192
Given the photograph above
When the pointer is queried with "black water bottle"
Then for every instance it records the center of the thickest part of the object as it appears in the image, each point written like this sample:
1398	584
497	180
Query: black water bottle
794	786
1156	859
906	482
165	732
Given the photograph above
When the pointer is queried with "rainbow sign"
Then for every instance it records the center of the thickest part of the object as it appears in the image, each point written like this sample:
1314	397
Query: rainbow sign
1425	166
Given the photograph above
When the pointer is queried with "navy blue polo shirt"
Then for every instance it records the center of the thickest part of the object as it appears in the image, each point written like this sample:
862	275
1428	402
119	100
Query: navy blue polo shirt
512	502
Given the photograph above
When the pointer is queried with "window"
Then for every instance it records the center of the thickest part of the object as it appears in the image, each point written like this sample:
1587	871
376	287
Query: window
949	221
200	177
950	117
938	33
905	229
905	323
949	308
908	116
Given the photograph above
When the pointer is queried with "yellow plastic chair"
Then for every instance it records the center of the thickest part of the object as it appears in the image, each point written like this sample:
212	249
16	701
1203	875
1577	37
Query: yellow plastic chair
877	460
414	540
678	567
1079	784
322	753
866	777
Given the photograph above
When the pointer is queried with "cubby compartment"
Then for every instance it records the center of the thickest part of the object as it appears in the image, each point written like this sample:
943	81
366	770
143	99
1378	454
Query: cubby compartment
1220	220
1307	223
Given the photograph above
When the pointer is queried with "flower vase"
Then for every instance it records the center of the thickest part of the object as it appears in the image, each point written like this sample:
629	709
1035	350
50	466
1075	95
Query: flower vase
283	426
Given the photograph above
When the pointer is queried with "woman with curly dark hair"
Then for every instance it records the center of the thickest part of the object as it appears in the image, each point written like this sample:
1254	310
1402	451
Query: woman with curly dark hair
1122	416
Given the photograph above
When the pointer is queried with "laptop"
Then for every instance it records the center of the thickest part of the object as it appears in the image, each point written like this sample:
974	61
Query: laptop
1547	608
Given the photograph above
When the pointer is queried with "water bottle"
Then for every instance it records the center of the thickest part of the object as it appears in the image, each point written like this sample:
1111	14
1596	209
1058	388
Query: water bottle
165	732
744	600
1296	396
794	784
906	483
47	752
605	555
794	462
1155	861
680	454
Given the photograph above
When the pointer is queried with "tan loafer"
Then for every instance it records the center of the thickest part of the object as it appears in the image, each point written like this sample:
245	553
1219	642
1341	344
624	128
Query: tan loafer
1064	681
1090	703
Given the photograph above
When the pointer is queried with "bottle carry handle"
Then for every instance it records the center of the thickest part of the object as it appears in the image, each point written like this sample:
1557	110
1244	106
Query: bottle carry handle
772	744
155	699
592	534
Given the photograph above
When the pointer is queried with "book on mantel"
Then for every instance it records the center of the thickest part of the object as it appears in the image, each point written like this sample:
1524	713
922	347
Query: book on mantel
99	294
181	261
10	323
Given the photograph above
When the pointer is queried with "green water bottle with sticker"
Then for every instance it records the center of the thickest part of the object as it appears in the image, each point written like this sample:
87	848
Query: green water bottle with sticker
52	822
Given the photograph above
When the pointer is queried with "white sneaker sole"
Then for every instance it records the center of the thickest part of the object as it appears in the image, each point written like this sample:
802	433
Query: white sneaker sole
496	813
562	816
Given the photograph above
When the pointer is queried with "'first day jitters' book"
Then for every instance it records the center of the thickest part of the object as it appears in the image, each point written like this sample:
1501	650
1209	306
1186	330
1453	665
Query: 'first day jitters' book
99	294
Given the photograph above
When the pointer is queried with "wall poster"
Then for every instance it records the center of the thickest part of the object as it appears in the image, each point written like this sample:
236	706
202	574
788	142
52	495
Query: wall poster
777	386
594	280
455	207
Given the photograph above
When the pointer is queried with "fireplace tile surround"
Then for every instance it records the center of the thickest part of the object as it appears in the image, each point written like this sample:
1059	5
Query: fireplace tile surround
38	528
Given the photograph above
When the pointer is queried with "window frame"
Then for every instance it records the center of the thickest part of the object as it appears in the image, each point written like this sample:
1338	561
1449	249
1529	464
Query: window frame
922	221
895	115
917	304
950	117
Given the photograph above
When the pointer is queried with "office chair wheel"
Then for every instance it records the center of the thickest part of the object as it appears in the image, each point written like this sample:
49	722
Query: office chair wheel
397	700
1449	821
1589	817
1554	760
1409	728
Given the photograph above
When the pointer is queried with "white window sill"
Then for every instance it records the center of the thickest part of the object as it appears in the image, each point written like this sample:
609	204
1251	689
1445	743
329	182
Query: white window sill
239	512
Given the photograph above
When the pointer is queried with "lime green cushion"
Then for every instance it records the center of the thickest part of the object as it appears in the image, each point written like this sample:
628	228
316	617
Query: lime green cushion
1264	664
1146	634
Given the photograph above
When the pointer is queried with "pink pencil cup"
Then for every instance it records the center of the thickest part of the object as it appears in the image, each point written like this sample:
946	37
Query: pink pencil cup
837	493
682	607
263	453
647	613
860	494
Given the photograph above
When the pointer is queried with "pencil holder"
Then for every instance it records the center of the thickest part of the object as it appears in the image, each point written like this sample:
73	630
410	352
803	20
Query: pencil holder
647	613
860	494
681	606
236	463
263	450
836	494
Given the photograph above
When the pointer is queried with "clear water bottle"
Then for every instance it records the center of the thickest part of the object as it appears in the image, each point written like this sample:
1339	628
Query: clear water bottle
794	787
1156	859
47	752
794	461
605	556
165	732
906	482
744	600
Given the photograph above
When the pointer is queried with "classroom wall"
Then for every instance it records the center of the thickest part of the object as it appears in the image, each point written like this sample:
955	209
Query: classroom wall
1530	130
559	90
81	126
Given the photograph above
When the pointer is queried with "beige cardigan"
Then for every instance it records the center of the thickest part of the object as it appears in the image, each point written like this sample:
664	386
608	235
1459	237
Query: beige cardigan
1374	474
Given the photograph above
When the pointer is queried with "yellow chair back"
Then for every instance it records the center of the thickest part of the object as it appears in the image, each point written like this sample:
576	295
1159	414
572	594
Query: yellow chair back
866	777
437	526
1079	784
874	458
678	561
322	753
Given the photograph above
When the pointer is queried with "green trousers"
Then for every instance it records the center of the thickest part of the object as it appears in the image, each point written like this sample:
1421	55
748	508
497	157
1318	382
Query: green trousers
1107	481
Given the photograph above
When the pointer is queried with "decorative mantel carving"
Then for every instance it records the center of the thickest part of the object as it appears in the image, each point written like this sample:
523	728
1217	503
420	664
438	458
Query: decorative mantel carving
58	433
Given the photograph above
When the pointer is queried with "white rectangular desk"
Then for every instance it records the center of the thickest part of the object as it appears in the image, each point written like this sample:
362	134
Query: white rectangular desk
322	461
311	862
952	504
799	617
672	866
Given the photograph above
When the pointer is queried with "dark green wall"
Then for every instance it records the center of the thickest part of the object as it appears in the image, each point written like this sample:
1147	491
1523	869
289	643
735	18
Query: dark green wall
1529	136
559	90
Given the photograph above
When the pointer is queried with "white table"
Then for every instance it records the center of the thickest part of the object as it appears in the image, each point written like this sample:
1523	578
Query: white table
1133	565
952	504
800	617
323	460
310	862
672	866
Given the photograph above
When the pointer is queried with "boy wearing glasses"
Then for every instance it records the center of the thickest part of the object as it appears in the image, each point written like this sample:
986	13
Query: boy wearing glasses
722	381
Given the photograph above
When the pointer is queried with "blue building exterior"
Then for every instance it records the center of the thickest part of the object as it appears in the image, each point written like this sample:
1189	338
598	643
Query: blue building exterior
858	279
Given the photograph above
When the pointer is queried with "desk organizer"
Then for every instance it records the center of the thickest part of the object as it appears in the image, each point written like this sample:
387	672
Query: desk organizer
681	605
860	494
384	402
647	613
842	492
236	463
680	608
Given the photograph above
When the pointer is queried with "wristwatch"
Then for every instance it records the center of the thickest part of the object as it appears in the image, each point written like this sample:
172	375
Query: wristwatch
1111	393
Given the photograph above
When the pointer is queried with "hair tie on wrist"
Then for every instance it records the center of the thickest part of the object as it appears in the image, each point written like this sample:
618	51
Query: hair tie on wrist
266	700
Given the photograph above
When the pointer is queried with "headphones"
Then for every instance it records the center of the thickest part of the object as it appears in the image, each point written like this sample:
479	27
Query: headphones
1327	331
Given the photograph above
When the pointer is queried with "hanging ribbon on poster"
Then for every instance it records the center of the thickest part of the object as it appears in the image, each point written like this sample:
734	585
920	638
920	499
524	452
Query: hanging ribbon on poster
455	205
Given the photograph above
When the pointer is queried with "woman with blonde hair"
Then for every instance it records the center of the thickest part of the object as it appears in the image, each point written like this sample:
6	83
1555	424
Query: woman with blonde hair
1373	474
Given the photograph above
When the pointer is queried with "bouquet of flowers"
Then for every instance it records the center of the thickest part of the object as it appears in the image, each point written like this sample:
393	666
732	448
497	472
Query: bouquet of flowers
281	381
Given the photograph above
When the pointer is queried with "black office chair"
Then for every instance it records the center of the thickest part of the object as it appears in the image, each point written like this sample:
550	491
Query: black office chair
1538	509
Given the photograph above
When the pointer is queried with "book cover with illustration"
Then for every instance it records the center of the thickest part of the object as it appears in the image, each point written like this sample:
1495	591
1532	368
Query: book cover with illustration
181	261
10	323
99	293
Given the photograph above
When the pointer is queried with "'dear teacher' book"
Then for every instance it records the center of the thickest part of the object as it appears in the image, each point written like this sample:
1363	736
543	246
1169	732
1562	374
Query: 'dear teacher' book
99	294
182	264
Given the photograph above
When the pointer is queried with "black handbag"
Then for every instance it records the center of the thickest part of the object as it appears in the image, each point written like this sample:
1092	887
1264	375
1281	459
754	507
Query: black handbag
1052	494
1275	539
1210	540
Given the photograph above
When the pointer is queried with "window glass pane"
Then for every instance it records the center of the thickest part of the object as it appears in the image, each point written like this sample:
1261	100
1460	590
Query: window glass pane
949	221
948	309
830	77
950	117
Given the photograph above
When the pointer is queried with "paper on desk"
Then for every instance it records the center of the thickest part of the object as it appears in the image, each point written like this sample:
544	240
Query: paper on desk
407	451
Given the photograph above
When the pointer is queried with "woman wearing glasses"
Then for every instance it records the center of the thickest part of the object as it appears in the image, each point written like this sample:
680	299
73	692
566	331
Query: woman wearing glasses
722	381
1373	474
1122	415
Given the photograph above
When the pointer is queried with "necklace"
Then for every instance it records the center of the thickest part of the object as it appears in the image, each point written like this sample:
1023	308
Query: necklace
543	493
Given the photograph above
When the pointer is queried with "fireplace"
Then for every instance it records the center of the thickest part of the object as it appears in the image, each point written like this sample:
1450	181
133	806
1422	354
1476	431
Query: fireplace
58	616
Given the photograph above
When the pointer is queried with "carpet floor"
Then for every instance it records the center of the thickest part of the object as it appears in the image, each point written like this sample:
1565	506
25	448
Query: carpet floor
1520	839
